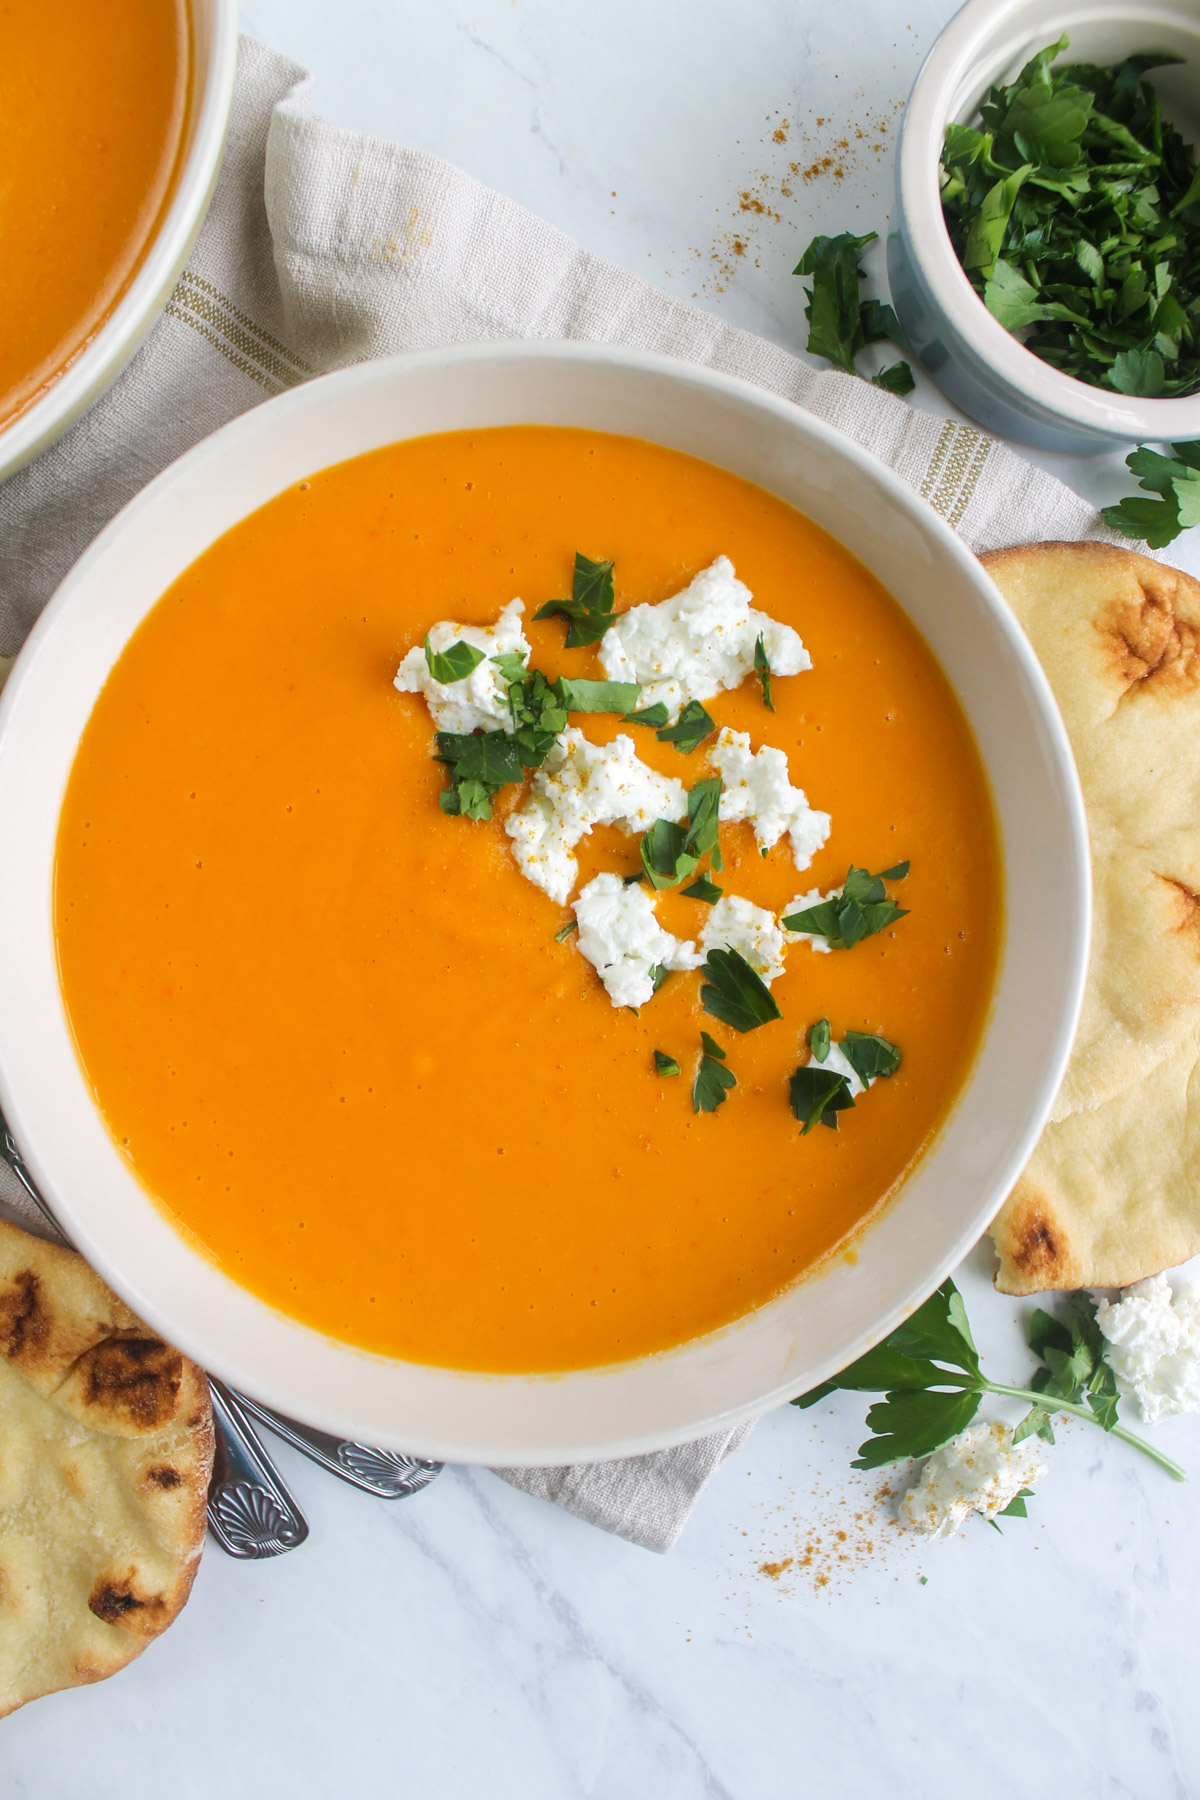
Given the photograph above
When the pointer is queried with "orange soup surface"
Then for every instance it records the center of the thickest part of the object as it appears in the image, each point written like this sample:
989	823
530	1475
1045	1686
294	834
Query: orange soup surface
331	1027
93	104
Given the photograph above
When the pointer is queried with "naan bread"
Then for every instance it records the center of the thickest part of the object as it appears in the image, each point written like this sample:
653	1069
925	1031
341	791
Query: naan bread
106	1446
1112	1192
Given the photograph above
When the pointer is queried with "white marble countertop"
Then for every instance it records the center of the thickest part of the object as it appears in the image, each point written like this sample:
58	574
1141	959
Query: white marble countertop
473	1641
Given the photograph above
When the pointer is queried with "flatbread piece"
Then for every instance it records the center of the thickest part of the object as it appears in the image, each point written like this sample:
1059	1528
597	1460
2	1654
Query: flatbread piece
1112	1192
106	1445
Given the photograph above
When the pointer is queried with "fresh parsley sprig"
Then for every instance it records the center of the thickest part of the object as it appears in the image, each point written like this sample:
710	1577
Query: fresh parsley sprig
860	910
1175	479
840	325
1075	211
762	668
591	608
713	1079
928	1372
735	993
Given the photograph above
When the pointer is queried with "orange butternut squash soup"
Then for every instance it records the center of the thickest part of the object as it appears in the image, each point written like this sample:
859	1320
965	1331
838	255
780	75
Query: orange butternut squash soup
93	104
355	1040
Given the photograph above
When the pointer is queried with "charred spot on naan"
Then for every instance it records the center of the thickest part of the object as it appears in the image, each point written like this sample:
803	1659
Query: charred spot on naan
127	1385
117	1599
24	1322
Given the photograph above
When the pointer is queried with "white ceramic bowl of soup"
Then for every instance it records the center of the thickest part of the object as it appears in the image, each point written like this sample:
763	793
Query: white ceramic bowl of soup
815	1327
214	48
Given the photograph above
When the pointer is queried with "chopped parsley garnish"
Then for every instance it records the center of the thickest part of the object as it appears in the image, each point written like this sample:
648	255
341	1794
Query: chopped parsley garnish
690	729
564	931
1176	479
1075	212
539	713
591	606
664	1064
658	974
818	1095
511	664
454	664
713	1079
870	1057
658	714
704	889
762	669
928	1372
480	764
598	696
1074	1366
840	325
736	993
671	852
860	910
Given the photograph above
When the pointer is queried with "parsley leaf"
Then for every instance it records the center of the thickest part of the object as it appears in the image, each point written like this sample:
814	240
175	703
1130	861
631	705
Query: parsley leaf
1074	1366
1176	479
818	1095
818	1039
860	910
658	714
664	1064
840	325
539	713
736	993
762	669
598	696
1073	210
928	1371
511	664
671	852
690	729
454	664
713	1079
704	889
870	1057
480	764
591	606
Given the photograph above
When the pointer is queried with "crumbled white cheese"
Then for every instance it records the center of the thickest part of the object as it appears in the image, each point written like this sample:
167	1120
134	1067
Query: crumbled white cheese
580	785
624	942
737	924
981	1470
814	939
698	642
756	787
480	701
1155	1346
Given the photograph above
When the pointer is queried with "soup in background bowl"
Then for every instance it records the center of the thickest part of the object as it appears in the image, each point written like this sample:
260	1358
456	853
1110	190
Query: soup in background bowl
508	1237
112	124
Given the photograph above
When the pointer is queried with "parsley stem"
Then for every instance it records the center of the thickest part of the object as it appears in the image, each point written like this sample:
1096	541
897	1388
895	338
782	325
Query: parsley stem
1052	1404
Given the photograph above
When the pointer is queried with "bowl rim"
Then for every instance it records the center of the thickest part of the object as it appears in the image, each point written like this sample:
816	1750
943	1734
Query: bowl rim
105	355
1043	388
16	1085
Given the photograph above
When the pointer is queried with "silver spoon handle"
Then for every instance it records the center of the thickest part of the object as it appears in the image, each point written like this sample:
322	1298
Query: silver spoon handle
250	1512
388	1474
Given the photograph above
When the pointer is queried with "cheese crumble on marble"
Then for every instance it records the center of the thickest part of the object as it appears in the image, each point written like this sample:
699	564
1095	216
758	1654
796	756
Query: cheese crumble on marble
737	924
581	785
479	702
757	789
698	642
1154	1346
623	940
981	1470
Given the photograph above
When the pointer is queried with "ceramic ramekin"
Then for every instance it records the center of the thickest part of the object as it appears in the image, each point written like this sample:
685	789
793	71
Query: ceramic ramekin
977	364
214	54
818	1325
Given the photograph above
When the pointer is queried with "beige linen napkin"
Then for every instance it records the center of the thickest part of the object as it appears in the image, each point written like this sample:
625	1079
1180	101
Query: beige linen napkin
324	247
